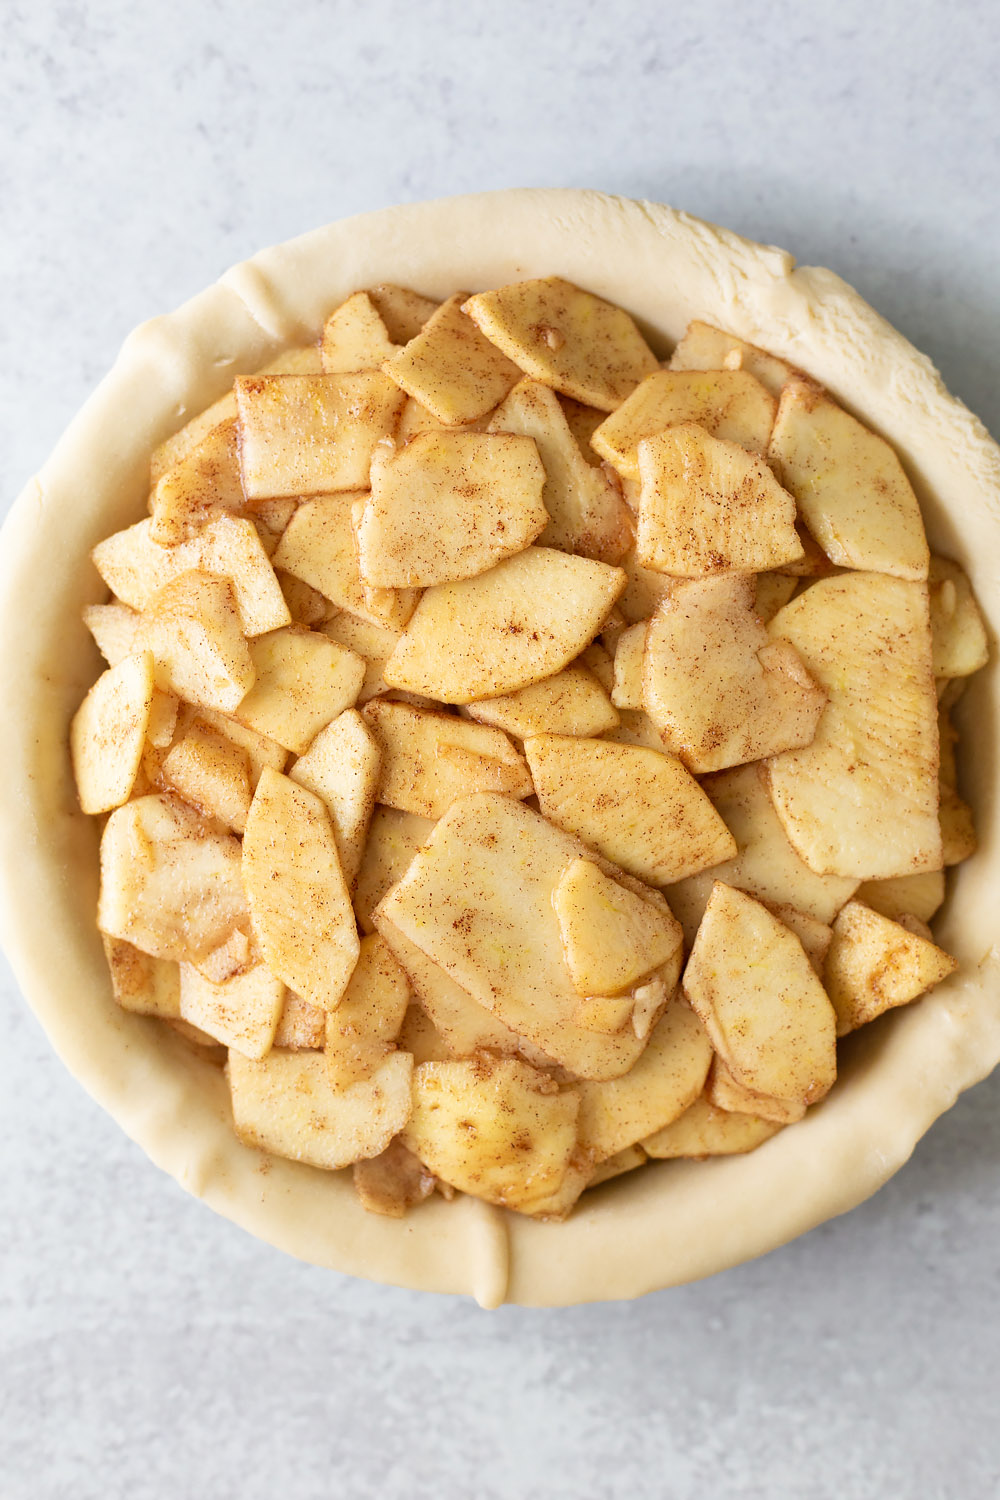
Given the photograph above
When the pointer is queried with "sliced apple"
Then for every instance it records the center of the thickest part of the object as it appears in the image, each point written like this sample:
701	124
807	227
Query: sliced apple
688	898
650	999
419	1036
342	767
611	937
605	1013
565	337
149	778
203	484
450	505
319	546
210	771
115	629
301	1026
299	903
303	359
814	936
706	348
204	1045
637	728
237	954
862	799
362	1031
667	1078
174	449
403	312
875	964
259	750
571	702
373	643
585	512
393	839
640	808
312	434
728	404
430	759
813	563
765	864
108	733
905	895
306	605
242	1013
493	1127
192	629
230	547
613	629
522	621
623	1161
416	419
630	490
629	651
725	1092
708	506
958	830
144	985
834	465
164	712
958	633
644	592
450	368
477	899
758	996
717	688
554	1207
773	591
303	681
136	568
462	1027
170	884
913	924
392	1182
599	660
285	1103
355	337
704	1130
583	422
270	519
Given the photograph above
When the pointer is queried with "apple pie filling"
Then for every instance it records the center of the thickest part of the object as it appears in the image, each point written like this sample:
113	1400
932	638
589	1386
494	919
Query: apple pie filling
519	758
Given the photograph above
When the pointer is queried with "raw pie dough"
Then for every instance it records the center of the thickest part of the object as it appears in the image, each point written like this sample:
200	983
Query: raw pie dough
673	1221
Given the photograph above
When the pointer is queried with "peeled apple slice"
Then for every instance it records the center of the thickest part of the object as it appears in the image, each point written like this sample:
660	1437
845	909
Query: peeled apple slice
851	488
713	683
862	799
301	910
522	621
569	339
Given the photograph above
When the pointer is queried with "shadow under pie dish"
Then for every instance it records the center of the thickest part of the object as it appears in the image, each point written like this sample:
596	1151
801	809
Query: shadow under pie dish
667	1222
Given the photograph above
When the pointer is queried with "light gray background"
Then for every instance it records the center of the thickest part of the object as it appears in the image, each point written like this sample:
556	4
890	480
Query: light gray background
150	1350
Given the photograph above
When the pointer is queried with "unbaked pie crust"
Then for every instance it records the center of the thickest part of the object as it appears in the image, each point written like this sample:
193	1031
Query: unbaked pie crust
673	1221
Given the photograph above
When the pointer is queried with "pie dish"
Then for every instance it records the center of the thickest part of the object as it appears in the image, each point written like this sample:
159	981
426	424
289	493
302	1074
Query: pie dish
674	1221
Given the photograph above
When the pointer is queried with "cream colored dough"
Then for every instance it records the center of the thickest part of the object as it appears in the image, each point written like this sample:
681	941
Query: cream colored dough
673	1221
